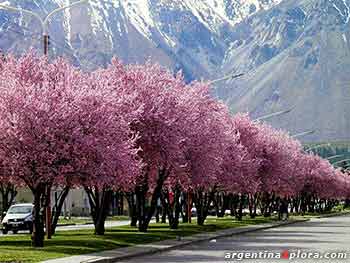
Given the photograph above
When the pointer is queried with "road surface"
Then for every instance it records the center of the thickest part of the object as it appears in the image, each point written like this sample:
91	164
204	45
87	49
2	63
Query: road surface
313	239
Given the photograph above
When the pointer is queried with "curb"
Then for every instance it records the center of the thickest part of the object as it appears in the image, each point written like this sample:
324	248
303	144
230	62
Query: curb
215	235
71	224
75	224
332	215
166	245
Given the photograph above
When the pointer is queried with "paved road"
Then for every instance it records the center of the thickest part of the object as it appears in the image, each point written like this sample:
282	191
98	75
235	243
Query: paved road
79	227
325	235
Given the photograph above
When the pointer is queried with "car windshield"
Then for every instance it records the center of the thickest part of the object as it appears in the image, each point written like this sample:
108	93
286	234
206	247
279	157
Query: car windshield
20	210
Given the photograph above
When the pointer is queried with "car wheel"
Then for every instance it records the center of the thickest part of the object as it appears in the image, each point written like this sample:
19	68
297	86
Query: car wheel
15	231
4	231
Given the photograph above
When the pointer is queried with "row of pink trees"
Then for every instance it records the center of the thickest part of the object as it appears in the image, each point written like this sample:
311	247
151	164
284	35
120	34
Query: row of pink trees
142	131
58	128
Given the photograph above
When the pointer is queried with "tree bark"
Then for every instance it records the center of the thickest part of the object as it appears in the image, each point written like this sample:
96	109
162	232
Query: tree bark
184	208
202	202
239	214
8	193
38	222
141	192
100	204
252	201
164	208
130	197
56	210
173	210
221	202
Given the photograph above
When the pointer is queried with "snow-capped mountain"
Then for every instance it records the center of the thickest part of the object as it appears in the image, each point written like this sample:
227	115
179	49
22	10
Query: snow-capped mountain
294	52
192	35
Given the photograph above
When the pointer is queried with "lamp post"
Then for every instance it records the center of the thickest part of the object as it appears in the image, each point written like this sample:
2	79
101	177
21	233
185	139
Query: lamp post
303	134
44	26
231	76
334	157
317	146
43	22
344	160
275	114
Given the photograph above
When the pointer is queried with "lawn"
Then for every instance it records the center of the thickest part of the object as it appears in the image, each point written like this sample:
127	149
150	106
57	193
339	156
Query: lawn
88	220
67	243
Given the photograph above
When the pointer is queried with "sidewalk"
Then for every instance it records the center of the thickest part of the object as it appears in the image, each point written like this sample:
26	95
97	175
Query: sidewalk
146	249
67	227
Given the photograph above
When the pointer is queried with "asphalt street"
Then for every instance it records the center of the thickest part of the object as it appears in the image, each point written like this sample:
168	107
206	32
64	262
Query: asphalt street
313	241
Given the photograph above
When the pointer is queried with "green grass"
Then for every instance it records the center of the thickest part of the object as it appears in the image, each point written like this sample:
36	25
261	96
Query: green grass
75	221
68	243
118	218
87	220
336	210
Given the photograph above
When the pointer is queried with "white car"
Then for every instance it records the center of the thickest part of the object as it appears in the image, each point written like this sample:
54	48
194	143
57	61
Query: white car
18	217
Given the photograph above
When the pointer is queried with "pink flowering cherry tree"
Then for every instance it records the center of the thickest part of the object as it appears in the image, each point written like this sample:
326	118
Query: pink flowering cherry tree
111	162
206	137
55	129
156	126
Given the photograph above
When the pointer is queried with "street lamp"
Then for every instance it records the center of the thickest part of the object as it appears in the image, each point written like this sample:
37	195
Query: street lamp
334	157
317	146
303	134
275	114
230	76
44	26
43	22
344	160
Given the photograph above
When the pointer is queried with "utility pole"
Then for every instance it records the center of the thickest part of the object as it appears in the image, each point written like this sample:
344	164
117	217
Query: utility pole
46	41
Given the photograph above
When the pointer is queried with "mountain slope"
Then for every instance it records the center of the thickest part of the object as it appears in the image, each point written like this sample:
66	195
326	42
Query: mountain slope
295	55
188	35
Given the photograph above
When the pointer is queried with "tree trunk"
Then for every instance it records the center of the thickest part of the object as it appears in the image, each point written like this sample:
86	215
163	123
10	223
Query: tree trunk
174	209
266	203
100	204
157	213
239	214
8	193
202	201
130	197
283	208
141	192
38	222
234	204
252	201
56	210
164	208
184	208
221	202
